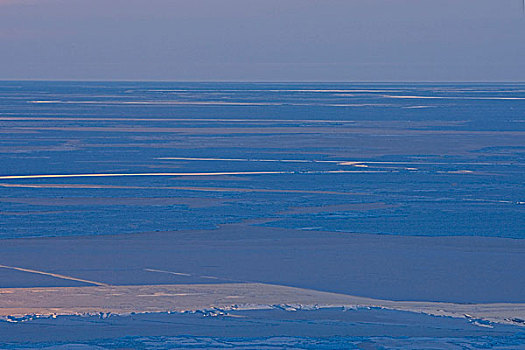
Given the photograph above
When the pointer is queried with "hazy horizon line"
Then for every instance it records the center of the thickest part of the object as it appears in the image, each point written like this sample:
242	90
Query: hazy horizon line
273	81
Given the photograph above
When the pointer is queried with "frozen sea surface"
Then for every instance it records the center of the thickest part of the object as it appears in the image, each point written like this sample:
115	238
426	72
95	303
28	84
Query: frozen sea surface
444	160
406	192
321	329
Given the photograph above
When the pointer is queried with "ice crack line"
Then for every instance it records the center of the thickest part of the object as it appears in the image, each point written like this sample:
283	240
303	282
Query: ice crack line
54	275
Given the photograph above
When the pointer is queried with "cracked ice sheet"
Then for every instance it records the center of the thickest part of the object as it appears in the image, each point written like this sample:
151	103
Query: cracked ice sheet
332	328
448	269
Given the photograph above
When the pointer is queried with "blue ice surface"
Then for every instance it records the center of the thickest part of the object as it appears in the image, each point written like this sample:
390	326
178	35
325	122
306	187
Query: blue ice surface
286	342
449	161
464	144
262	329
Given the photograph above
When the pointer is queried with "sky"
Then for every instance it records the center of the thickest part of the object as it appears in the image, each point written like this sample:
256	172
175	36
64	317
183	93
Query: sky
262	40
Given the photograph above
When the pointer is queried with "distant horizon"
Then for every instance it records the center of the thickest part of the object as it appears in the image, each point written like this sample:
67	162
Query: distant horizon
263	40
268	81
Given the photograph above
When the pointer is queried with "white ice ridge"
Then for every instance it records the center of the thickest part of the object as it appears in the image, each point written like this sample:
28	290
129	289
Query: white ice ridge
338	162
454	97
195	120
203	103
12	177
124	300
15	177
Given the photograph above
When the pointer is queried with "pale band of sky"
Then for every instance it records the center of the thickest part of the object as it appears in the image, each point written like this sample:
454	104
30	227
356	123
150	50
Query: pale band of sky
263	40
